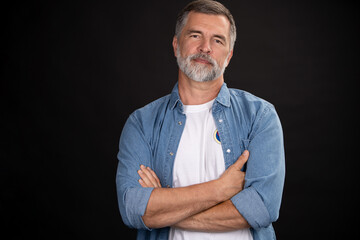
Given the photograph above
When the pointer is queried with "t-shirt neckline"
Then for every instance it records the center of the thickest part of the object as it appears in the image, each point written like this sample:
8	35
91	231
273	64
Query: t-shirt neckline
198	108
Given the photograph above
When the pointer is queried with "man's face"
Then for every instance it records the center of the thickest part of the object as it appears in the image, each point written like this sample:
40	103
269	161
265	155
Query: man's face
203	48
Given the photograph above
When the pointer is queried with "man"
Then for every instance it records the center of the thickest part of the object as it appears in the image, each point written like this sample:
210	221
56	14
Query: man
206	161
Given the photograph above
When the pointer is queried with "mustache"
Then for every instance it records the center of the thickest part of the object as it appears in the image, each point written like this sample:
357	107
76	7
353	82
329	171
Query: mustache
203	56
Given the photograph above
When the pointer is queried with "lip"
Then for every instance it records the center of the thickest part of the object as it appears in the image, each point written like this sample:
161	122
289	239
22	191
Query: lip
201	60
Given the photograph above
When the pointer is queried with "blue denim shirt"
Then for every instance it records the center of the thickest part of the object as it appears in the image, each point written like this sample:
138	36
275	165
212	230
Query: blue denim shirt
151	137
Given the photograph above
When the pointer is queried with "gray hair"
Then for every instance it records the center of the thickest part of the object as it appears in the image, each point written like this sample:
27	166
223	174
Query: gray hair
207	7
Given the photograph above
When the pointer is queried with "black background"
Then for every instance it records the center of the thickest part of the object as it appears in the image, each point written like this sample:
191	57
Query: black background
73	71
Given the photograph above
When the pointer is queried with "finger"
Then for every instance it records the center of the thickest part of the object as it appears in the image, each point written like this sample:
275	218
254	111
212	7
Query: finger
149	176
142	183
145	182
242	160
155	176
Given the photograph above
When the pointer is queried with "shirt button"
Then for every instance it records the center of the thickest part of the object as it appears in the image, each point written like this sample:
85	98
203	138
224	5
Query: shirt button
171	153
168	186
220	120
228	150
180	123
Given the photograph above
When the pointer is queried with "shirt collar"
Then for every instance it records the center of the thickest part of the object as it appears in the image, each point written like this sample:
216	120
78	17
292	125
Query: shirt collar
175	97
223	97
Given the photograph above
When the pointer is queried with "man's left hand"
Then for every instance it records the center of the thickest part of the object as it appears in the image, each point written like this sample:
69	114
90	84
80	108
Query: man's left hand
148	177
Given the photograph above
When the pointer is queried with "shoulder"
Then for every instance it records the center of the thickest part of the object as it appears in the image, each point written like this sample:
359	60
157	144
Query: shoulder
151	112
248	101
152	107
254	112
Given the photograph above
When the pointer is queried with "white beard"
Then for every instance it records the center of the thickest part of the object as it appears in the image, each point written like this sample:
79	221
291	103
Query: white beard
197	71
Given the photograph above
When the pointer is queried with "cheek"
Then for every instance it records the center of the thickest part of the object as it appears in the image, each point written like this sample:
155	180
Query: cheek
224	58
188	48
220	61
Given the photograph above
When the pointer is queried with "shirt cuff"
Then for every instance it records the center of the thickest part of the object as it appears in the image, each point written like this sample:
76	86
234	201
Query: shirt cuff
136	201
250	205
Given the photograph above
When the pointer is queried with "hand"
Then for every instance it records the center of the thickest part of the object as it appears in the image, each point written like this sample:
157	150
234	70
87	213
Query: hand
233	179
148	177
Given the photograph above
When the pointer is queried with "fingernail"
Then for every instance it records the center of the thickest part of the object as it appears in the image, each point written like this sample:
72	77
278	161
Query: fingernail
142	166
246	152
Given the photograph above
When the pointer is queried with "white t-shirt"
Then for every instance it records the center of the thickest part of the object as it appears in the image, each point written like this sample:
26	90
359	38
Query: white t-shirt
200	159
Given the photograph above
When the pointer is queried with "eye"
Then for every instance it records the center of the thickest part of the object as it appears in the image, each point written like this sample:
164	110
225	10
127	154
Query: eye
194	36
219	41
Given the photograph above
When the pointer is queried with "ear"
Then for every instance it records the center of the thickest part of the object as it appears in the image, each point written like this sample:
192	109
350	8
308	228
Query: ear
175	44
229	57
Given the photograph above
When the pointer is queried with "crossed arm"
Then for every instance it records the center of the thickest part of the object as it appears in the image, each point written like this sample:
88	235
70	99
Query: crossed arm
199	207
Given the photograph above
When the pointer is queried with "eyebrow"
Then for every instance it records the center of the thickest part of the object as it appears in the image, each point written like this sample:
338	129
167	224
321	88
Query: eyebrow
193	31
222	37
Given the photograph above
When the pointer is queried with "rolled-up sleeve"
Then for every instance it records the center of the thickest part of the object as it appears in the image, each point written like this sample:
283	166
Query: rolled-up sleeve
259	202
133	151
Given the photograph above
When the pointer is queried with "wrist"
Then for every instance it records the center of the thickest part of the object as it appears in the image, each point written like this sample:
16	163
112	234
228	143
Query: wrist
218	190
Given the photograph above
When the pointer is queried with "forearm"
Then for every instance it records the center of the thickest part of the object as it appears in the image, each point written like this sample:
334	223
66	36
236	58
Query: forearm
168	206
220	218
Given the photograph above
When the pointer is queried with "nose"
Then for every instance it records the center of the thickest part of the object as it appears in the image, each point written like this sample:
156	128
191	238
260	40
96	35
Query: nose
205	46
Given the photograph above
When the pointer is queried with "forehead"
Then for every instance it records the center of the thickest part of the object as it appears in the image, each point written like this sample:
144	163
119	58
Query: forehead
215	24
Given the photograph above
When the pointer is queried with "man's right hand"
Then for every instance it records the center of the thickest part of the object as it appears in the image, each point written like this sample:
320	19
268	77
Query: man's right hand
233	179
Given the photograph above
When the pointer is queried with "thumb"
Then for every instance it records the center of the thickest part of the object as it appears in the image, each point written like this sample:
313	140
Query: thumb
242	160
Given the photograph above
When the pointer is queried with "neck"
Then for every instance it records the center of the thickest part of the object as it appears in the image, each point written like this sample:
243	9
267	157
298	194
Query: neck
195	93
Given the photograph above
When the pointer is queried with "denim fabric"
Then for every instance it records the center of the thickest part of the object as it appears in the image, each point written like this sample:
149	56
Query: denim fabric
151	137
